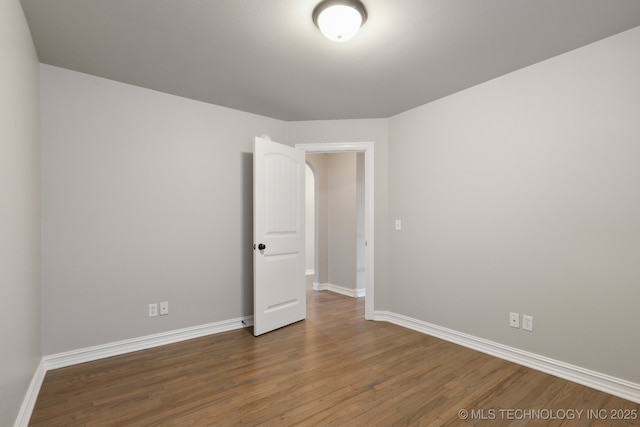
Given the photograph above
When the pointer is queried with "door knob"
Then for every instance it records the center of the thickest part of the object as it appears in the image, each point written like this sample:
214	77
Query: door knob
262	246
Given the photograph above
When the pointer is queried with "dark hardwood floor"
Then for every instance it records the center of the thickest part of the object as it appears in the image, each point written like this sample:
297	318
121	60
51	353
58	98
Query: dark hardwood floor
332	369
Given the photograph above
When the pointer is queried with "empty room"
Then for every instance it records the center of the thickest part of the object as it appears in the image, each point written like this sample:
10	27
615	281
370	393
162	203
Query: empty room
473	257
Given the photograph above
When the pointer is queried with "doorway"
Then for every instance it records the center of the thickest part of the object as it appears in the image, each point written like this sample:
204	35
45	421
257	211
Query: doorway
365	272
336	182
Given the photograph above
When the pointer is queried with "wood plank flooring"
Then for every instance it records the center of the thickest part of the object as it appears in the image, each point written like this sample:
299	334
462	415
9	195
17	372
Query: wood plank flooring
332	369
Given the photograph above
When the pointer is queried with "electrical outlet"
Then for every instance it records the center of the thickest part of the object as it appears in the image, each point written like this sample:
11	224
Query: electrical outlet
527	322
514	320
153	310
164	308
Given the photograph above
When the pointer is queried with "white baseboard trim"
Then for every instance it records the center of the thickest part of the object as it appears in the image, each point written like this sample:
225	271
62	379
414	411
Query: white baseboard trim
60	360
29	401
596	380
320	286
353	293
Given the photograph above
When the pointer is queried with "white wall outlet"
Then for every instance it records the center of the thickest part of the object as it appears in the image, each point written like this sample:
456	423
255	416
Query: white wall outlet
164	308
153	310
527	322
514	320
398	224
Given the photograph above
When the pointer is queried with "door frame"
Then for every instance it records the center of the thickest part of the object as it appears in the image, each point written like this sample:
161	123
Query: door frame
367	149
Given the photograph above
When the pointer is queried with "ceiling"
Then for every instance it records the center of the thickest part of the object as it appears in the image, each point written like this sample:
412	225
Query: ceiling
267	57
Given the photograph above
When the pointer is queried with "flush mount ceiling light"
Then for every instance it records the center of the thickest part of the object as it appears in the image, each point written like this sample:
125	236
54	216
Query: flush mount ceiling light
339	20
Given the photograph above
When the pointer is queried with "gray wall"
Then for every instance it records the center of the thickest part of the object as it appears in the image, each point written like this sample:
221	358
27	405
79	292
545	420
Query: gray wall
360	220
318	163
310	218
371	130
147	197
20	323
341	227
521	194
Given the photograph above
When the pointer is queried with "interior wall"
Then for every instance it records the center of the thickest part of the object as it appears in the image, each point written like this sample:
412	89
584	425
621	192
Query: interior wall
321	261
367	130
360	219
309	241
520	195
342	219
20	319
147	197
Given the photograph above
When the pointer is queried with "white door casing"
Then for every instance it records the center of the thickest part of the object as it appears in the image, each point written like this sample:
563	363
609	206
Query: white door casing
278	230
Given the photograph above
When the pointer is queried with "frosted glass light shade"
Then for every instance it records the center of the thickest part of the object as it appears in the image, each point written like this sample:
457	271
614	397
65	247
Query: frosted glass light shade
338	20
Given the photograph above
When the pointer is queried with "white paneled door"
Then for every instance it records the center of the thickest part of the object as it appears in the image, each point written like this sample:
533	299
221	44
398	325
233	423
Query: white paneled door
278	230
